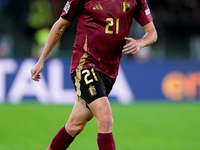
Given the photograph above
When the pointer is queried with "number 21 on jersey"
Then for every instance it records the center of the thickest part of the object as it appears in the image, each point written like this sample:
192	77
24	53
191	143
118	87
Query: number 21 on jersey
110	24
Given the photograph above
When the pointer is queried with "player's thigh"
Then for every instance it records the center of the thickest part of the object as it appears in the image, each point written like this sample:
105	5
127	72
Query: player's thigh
80	115
101	109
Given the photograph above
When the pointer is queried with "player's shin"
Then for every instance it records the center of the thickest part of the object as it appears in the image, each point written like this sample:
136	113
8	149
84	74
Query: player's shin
61	140
106	141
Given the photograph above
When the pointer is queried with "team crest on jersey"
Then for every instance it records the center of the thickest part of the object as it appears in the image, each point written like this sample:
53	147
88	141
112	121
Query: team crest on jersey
92	90
125	7
67	6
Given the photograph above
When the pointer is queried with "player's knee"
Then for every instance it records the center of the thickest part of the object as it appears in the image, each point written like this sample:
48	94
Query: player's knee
105	124
74	129
78	128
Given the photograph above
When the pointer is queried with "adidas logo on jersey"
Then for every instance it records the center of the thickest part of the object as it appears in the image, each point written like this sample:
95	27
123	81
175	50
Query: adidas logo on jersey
98	7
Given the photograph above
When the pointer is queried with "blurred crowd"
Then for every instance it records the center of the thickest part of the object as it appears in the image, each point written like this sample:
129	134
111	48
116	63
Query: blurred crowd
25	25
177	22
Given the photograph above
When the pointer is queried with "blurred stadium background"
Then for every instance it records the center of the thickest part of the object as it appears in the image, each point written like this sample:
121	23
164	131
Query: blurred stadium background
155	100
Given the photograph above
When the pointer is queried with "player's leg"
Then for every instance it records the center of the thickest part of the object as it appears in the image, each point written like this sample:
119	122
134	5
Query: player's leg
103	114
93	87
78	119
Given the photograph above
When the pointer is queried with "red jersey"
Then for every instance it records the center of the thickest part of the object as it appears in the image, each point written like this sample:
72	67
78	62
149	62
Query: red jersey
102	27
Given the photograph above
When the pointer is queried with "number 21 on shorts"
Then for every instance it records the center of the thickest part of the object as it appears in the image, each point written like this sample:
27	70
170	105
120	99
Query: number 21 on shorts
87	73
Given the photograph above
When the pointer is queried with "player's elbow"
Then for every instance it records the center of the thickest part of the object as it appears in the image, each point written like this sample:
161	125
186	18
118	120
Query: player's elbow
155	36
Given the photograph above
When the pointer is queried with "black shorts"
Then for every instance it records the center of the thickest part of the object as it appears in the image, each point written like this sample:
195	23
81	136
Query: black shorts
91	84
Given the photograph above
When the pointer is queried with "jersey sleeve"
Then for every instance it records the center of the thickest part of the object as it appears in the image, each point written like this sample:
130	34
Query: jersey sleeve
144	15
71	10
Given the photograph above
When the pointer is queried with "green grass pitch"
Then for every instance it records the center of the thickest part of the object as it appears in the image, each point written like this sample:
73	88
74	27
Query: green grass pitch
139	126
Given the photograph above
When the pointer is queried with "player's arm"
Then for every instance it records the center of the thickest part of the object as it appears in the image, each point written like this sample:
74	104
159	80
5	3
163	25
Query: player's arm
54	36
149	38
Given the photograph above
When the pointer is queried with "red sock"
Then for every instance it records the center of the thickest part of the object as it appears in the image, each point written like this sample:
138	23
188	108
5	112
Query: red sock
61	140
106	141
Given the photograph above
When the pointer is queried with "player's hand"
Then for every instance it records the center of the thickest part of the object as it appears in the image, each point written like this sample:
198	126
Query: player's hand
132	47
35	72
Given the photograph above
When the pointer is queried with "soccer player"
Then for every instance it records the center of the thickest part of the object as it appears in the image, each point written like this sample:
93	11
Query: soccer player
102	31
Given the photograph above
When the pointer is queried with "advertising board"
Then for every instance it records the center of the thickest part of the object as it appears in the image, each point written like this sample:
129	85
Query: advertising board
165	80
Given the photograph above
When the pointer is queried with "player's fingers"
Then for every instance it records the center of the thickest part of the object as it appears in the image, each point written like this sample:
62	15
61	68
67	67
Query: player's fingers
131	42
129	48
131	51
127	51
127	45
34	75
134	52
37	78
128	38
32	71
